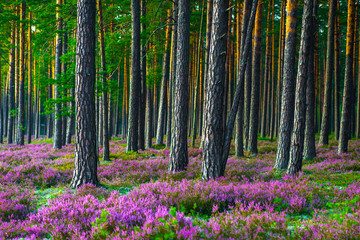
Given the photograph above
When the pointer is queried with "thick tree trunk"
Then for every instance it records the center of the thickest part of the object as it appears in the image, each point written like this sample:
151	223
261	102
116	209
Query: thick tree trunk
21	96
105	120
297	138
214	99
288	88
255	90
346	110
58	54
326	117
132	139
179	149
86	157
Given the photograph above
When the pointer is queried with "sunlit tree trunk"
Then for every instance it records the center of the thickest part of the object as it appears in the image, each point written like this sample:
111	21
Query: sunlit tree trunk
345	113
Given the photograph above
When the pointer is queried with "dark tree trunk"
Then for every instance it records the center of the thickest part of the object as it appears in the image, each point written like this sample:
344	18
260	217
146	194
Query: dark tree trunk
64	70
255	90
71	123
288	89
309	142
105	120
132	139
58	53
326	117
142	109
337	76
346	105
179	149
21	96
11	114
163	95
86	157
214	99
297	138
149	116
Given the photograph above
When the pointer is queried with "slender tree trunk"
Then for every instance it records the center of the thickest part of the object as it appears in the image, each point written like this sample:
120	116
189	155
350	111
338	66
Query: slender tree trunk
309	142
198	79
21	109
346	110
86	157
142	109
132	139
11	114
208	41
255	90
29	103
179	149
337	75
105	115
236	103
172	76
164	83
288	85
297	138
326	118
58	54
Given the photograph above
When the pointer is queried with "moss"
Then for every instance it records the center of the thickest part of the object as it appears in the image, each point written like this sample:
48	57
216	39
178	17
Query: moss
159	146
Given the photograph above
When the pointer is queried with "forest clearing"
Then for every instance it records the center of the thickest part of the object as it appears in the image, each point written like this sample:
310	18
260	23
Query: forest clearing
179	119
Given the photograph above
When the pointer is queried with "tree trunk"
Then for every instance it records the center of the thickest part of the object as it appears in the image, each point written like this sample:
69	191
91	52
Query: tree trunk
214	100
346	111
297	138
142	109
309	142
132	139
337	75
255	90
86	157
326	117
21	96
288	88
164	83
11	114
179	149
172	77
105	120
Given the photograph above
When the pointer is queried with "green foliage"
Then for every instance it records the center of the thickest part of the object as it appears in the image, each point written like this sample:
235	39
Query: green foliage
159	146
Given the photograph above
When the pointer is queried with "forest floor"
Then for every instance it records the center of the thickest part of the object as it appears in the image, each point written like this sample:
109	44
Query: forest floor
141	200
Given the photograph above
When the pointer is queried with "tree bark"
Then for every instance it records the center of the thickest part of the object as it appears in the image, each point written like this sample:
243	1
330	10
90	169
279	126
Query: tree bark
86	157
288	87
345	113
179	149
309	142
214	100
297	138
132	139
